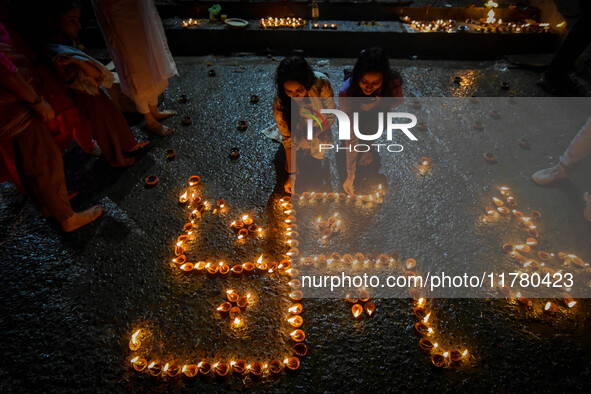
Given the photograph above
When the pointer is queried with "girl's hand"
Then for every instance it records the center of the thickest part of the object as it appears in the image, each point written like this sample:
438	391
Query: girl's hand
348	185
44	109
371	105
288	186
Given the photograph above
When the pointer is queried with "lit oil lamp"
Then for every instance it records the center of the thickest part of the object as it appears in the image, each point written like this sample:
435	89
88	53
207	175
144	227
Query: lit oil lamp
232	295
154	368
568	301
511	201
296	309
237	322
237	269
194	180
134	343
221	369
423	329
187	267
551	307
296	321
489	210
223	268
248	266
247	220
239	366
190	370
183	198
243	301
357	310
425	164
370	308
298	335
363	295
523	248
224	307
212	269
531	242
426	344
296	295
498	202
172	370
292	363
204	367
221	203
242	233
503	211
523	301
139	364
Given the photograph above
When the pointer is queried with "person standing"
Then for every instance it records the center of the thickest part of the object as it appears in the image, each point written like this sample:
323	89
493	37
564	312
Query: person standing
578	149
137	44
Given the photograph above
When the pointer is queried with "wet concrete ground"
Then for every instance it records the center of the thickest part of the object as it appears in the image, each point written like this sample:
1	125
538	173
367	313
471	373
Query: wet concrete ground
71	302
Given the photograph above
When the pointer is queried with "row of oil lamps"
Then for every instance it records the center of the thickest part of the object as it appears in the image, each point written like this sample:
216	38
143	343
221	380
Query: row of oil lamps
518	251
278	23
233	307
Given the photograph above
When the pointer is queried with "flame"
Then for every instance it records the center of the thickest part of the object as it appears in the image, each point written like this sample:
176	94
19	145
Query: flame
152	364
357	313
435	345
465	353
491	17
426	319
134	336
135	359
216	365
232	363
491	4
560	24
237	321
244	217
572	303
285	361
548	305
421	301
183	197
291	320
445	354
165	367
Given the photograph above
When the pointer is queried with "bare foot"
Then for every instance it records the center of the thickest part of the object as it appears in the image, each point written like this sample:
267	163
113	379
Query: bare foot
161	115
80	219
159	129
127	161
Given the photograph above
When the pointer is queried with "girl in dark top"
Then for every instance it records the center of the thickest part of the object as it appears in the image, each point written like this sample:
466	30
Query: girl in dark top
372	78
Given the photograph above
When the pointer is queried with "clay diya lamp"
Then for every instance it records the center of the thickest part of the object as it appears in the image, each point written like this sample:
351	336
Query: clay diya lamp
194	180
296	295
170	154
221	203
155	368
211	73
187	267
357	310
524	143
490	157
537	215
254	99
410	263
550	308
253	228
224	307
171	370
139	364
524	301
296	309
183	98
275	366
478	126
234	312
296	321
504	290
495	114
242	233
438	360
221	369
298	335
343	197
370	308
292	363
505	86
426	344
300	349
223	269
243	301
457	79
248	266
257	368
503	211
507	248
234	153
363	295
242	125
190	370
237	269
151	181
232	296
204	367
239	366
187	121
423	329
238	224
180	260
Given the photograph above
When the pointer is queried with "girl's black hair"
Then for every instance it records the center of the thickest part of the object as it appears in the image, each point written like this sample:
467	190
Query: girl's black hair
294	68
373	60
